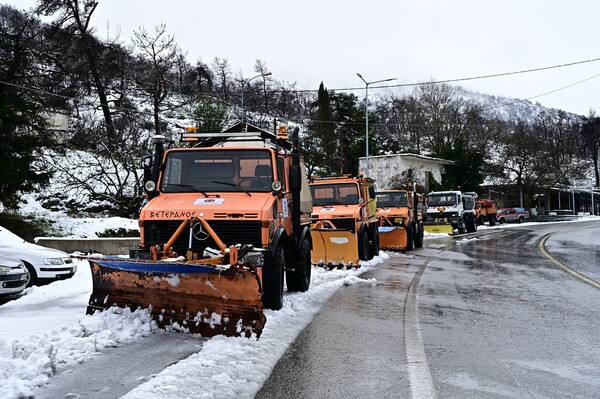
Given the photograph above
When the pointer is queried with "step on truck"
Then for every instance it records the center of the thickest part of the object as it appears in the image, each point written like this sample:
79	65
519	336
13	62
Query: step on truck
400	228
344	220
449	211
227	217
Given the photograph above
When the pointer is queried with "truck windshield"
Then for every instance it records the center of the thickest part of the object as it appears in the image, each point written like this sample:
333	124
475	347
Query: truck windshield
442	199
334	194
387	200
197	170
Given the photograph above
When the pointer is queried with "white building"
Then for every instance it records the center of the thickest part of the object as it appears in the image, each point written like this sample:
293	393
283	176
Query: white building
384	169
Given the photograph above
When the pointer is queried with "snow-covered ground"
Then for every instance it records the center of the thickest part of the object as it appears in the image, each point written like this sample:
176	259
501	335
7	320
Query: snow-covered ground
46	331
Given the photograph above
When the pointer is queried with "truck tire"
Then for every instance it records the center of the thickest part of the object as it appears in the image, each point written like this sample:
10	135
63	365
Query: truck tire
273	280
363	245
471	224
419	235
410	237
374	244
492	220
299	279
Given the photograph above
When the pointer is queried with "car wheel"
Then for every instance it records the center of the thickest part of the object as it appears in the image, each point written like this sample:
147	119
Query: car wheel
32	279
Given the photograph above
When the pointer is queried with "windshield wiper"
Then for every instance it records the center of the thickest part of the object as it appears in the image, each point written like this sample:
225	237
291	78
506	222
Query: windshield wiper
189	187
236	186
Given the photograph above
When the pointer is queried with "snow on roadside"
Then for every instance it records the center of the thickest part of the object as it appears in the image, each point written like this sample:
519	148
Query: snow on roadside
238	367
46	331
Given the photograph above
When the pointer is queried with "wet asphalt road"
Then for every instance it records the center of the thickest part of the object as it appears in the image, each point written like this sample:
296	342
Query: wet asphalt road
488	316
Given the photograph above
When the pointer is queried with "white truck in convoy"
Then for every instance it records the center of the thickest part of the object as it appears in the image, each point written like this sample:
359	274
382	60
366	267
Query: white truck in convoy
450	210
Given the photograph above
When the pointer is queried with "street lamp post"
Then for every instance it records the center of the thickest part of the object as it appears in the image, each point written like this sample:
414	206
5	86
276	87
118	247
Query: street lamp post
367	117
244	83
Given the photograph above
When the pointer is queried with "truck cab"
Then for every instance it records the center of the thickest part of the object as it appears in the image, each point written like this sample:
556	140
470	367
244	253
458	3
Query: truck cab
348	203
450	210
250	187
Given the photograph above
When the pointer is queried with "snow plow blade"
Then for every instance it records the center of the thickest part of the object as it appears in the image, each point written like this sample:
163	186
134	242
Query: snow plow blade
188	297
439	228
392	238
334	247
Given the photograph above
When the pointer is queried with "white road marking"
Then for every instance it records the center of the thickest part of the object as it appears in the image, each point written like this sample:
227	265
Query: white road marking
419	375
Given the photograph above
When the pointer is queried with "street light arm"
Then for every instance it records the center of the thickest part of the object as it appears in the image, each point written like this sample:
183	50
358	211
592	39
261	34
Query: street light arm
367	117
244	83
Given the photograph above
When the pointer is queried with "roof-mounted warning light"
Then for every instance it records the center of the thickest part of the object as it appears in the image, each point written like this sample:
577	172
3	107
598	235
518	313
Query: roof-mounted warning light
282	133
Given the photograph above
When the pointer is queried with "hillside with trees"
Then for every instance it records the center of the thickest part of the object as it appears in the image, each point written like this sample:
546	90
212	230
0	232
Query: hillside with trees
116	96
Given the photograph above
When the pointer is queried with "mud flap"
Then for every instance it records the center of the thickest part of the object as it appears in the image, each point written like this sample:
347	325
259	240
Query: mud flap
188	297
334	247
392	238
439	228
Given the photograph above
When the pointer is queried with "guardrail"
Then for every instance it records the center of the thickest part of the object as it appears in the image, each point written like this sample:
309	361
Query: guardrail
105	246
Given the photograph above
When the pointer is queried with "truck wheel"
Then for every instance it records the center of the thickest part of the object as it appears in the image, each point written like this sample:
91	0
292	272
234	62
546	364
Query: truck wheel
419	235
481	220
410	237
374	245
492	221
273	280
363	245
299	279
471	224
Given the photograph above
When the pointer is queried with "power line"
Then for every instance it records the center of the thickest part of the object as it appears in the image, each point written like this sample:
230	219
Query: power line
380	87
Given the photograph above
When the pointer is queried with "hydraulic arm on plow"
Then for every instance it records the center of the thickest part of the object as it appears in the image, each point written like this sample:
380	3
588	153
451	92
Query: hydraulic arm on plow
227	220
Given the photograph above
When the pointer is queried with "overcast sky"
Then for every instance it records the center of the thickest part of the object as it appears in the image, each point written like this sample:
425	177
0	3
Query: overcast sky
310	41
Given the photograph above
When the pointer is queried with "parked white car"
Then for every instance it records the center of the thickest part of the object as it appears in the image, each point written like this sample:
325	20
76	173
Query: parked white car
43	264
13	276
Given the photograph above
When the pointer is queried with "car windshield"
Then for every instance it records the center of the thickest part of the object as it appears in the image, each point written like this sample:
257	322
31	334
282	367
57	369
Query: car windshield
442	199
217	170
391	199
334	194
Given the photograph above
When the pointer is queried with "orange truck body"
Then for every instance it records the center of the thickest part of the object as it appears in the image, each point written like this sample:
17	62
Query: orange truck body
344	220
399	228
232	212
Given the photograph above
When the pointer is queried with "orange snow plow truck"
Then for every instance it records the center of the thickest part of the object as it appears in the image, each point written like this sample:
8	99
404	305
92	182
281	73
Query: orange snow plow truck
228	217
400	228
344	221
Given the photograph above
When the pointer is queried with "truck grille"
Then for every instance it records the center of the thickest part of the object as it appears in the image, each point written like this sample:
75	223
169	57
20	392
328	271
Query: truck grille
231	232
346	224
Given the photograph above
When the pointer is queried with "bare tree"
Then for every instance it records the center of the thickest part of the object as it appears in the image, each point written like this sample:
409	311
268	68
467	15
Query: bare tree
76	16
261	68
159	51
223	72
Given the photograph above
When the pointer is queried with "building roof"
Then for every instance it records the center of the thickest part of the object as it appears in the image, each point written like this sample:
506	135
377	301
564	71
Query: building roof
413	156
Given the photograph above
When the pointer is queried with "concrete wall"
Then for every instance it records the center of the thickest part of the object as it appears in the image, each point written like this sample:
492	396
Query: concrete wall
382	168
105	246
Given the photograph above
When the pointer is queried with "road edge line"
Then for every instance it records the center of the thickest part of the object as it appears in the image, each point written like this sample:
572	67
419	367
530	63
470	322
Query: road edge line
419	374
582	277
